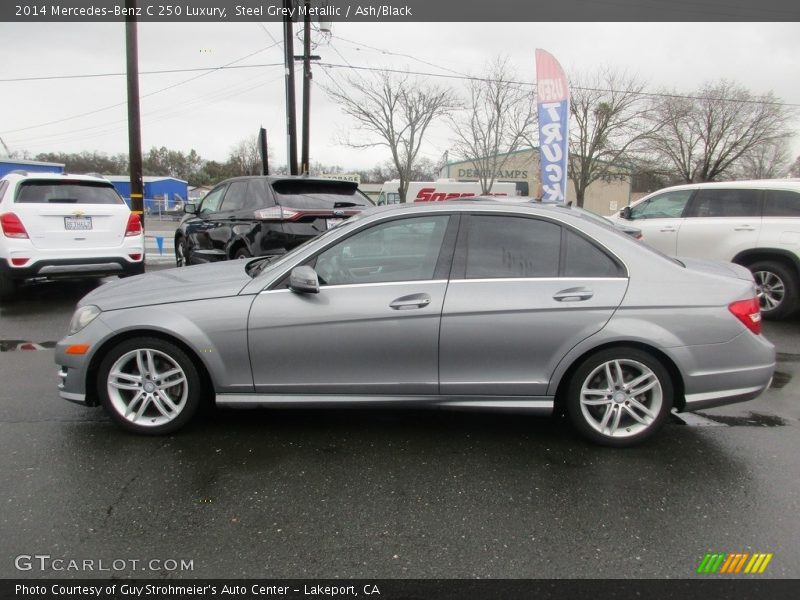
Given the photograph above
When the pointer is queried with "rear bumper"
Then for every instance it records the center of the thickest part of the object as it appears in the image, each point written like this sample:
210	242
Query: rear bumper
71	268
719	374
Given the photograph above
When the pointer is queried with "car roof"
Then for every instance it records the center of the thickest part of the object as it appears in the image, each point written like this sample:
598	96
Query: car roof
761	184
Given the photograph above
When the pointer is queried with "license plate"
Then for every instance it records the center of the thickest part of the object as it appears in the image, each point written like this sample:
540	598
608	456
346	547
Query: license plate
77	223
331	223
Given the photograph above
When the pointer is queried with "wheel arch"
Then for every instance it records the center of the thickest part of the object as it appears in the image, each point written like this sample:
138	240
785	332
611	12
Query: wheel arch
679	401
748	257
101	351
237	243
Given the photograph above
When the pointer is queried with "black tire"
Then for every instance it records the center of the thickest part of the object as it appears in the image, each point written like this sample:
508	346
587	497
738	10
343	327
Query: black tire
180	251
777	288
136	270
125	358
590	411
242	254
8	288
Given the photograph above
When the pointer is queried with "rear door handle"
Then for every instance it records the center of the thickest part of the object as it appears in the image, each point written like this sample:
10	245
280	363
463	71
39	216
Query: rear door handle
412	301
573	295
744	228
668	229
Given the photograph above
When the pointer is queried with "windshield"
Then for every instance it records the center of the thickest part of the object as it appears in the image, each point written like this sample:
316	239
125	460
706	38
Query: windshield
67	192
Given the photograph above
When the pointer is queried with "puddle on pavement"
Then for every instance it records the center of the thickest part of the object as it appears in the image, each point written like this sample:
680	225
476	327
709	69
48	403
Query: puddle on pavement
750	420
24	346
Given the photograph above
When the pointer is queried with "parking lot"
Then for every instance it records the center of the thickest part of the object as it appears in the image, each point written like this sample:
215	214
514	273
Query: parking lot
382	494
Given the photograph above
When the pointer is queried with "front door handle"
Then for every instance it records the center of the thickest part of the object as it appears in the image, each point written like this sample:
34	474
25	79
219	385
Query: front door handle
573	295
668	229
412	301
744	228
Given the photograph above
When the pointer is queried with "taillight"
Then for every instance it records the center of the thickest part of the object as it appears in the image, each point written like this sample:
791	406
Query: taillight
134	226
278	213
748	312
12	227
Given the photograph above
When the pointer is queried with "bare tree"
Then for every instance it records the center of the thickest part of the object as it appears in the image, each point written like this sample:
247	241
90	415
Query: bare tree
766	161
706	135
794	170
245	157
395	111
497	121
608	124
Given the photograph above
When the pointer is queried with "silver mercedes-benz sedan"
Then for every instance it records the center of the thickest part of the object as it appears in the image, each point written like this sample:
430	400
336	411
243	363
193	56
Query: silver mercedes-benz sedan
467	305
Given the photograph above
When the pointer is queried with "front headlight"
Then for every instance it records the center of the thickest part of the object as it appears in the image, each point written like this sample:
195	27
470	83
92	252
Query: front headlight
82	317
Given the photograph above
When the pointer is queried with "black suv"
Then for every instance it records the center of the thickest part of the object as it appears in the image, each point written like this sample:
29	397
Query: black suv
262	216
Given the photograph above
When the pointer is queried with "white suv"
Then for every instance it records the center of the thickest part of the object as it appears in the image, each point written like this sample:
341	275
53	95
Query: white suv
65	226
752	223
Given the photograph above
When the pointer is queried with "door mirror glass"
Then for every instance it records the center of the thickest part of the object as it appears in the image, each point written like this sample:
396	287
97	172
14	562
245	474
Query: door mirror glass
304	280
190	208
625	213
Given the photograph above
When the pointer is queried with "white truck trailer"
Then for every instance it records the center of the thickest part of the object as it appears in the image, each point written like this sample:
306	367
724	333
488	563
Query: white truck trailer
440	190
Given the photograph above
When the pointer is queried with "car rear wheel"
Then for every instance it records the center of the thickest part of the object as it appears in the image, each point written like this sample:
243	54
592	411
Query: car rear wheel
8	287
777	289
242	254
619	397
149	386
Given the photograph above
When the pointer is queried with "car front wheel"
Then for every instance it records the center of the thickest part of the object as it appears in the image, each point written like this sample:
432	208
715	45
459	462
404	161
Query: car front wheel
619	397
149	386
180	252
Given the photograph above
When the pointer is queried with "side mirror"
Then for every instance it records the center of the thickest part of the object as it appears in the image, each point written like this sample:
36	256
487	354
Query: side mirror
190	208
304	280
625	213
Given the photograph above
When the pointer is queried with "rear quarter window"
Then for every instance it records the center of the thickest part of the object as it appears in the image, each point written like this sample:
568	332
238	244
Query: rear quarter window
67	192
782	203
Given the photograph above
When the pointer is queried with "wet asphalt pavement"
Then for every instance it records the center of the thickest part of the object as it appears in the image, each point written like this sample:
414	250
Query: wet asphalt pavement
382	494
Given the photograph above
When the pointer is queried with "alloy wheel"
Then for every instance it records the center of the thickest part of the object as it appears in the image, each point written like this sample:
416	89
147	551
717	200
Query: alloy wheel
621	398
147	387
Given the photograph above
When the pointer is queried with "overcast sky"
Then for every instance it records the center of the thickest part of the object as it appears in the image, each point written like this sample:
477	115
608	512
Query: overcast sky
212	112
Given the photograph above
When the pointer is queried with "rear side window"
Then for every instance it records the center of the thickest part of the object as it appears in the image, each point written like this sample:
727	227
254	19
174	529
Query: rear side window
67	192
782	203
725	203
315	195
511	247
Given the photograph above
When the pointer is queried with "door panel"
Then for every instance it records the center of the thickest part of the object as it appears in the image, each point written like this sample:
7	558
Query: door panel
720	223
660	218
348	339
505	337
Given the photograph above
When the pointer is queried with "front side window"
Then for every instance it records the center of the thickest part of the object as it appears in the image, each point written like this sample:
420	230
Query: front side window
400	250
212	200
669	205
725	203
511	247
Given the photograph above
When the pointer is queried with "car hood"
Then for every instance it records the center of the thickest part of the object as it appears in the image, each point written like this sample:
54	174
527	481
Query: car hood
715	267
199	282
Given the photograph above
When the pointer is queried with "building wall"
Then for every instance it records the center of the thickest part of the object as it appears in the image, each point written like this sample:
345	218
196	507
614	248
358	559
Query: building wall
8	165
522	167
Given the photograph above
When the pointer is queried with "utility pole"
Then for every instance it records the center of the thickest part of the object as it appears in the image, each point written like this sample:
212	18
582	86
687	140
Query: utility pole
134	124
262	148
306	88
291	114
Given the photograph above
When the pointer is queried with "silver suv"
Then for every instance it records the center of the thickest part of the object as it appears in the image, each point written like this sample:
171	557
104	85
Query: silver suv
65	226
752	223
